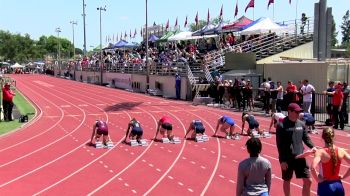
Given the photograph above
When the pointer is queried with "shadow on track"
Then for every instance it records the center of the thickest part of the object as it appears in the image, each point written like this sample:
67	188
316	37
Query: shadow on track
122	106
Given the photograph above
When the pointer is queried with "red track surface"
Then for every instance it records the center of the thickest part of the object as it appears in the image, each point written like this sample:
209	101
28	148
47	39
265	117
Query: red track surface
49	155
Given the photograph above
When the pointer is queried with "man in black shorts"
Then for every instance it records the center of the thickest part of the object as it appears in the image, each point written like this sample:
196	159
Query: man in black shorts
100	128
290	135
197	127
136	131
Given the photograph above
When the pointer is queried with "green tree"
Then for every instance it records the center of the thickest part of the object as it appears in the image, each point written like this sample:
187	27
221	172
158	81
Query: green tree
345	29
202	23
334	34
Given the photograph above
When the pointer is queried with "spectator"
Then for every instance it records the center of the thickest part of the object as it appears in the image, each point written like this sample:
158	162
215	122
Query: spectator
279	89
7	101
329	91
254	173
178	86
291	96
290	135
307	90
344	108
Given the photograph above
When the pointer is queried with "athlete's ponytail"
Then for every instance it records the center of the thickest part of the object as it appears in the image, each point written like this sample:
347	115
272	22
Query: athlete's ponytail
328	137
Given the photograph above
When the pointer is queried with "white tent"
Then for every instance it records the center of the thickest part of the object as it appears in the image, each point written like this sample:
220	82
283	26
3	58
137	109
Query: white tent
181	36
16	65
186	35
262	25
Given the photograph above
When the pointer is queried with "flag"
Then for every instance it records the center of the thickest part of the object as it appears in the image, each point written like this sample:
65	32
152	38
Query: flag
185	22
208	17
135	33
270	2
141	32
125	35
290	1
117	38
113	38
221	12
106	39
121	35
236	10
196	19
250	4
176	22
130	33
167	25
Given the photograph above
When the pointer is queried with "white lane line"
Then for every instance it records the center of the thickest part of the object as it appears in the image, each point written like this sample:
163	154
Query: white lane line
92	154
133	191
223	156
221	176
111	171
120	179
132	153
151	165
106	166
158	169
126	184
203	167
184	158
235	161
180	183
190	190
170	177
233	182
101	162
170	151
212	152
204	148
143	160
193	162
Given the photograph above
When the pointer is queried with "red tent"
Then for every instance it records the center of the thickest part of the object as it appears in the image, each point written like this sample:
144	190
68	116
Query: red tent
237	25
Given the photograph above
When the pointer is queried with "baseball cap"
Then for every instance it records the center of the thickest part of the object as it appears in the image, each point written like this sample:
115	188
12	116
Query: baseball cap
294	107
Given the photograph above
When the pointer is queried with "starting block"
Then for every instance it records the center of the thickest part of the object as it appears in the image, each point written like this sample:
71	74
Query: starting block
110	144
237	137
202	138
266	134
176	140
134	143
143	142
98	145
165	140
255	134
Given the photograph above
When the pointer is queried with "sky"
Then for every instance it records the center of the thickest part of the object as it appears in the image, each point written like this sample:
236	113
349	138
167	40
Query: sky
42	17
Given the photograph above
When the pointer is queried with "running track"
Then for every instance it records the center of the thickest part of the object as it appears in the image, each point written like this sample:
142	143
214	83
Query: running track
49	155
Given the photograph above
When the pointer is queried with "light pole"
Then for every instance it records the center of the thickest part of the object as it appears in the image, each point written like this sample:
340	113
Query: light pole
101	64
58	30
73	23
147	66
84	5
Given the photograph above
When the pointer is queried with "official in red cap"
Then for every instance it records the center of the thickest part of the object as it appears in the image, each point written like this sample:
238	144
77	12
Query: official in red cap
291	133
7	101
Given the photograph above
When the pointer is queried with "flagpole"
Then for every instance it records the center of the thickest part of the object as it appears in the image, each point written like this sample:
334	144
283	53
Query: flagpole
253	13
273	12
296	10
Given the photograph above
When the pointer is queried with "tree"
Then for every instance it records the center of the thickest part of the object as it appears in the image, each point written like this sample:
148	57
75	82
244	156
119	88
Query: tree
334	34
202	23
345	29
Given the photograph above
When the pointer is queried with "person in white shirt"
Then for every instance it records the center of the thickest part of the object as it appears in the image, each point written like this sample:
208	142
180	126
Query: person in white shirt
307	90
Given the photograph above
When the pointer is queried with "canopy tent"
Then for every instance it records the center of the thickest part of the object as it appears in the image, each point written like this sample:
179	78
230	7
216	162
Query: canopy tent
16	65
186	35
237	25
131	45
216	30
262	25
201	31
120	44
153	38
39	63
166	36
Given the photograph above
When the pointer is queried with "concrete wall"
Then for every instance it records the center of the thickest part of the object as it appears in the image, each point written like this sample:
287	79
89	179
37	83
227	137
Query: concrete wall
315	72
240	61
303	51
167	83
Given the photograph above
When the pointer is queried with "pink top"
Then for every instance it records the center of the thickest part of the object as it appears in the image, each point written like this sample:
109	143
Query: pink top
165	119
